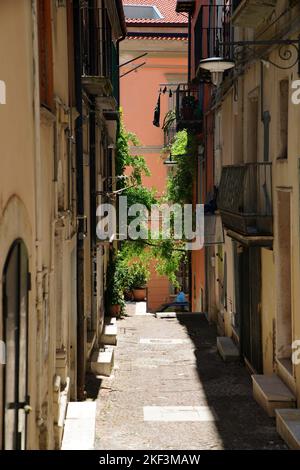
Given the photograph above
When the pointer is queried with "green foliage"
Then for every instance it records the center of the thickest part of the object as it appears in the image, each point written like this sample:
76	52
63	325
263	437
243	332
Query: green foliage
139	275
131	265
114	290
170	255
124	159
180	181
140	195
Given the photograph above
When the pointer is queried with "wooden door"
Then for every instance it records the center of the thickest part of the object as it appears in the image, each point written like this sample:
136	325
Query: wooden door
250	305
15	321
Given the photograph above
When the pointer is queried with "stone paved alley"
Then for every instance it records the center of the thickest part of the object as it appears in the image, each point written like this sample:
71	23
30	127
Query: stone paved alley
189	373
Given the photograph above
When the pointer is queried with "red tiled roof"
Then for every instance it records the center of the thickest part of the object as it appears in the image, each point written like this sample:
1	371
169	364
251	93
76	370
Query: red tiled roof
158	38
166	8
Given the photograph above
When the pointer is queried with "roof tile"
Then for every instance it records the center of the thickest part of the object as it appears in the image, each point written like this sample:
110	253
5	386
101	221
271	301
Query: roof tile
166	8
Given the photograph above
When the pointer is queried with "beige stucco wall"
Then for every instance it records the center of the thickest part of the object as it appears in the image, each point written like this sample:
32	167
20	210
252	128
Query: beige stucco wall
17	212
285	177
18	197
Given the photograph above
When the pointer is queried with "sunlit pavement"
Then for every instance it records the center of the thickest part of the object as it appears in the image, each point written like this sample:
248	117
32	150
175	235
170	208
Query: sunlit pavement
171	390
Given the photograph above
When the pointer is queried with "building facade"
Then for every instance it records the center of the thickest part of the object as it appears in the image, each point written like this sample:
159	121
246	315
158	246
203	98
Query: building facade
58	131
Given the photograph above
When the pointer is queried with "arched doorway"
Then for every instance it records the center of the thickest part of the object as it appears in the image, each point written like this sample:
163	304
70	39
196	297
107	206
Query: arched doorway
15	332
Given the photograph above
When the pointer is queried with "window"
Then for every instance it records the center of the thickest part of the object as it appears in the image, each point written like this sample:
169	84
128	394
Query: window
89	40
143	12
283	118
45	53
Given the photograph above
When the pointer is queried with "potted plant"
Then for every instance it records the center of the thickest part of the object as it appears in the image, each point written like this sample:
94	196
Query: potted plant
139	278
188	107
114	293
116	307
125	278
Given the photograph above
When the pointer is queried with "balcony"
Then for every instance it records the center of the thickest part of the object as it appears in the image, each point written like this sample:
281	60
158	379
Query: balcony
245	201
251	13
189	113
212	27
169	134
99	66
97	86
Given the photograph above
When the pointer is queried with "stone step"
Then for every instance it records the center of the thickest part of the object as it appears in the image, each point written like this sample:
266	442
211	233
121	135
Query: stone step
109	335
140	308
79	430
102	361
271	393
288	426
227	349
110	321
166	314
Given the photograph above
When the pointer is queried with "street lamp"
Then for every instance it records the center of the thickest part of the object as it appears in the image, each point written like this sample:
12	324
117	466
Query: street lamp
216	66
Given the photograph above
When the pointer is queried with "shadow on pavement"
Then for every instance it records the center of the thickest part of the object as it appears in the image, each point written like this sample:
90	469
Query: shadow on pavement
241	423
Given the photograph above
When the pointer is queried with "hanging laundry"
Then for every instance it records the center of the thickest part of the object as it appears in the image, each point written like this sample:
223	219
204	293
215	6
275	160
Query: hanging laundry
156	120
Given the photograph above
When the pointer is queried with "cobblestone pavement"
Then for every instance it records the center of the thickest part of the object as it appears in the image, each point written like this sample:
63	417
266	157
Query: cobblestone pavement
189	373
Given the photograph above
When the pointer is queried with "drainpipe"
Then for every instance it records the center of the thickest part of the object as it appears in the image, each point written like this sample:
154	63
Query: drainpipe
80	208
93	207
265	116
38	208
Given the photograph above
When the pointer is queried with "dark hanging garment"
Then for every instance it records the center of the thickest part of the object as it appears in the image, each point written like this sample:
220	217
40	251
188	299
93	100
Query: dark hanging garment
156	120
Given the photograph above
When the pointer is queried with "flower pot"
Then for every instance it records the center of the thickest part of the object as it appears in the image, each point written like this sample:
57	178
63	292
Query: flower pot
128	295
115	310
139	294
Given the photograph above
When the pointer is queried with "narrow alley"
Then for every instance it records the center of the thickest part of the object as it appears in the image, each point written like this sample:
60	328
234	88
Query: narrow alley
171	390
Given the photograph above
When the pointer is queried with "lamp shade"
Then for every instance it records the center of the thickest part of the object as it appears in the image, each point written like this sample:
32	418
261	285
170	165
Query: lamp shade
216	64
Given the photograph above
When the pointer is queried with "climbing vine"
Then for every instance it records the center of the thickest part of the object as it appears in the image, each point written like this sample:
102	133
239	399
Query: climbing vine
165	254
180	180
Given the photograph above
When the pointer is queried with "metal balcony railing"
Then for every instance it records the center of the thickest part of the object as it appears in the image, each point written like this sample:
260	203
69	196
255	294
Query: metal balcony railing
99	66
169	134
245	198
213	26
189	110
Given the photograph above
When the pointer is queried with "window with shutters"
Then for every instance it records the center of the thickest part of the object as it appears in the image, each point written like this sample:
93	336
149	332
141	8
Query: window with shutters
45	53
283	118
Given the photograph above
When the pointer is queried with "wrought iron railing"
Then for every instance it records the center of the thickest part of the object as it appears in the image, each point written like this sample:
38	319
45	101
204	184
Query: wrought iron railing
97	45
213	27
189	107
169	134
245	197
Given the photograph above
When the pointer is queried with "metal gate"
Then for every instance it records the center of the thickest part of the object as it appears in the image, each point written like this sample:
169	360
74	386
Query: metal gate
15	327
